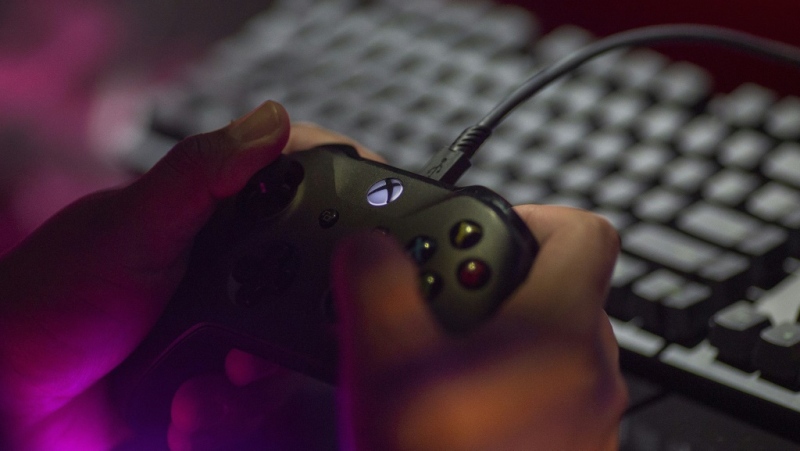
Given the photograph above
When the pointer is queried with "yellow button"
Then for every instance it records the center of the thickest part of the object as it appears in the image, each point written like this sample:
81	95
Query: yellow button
465	234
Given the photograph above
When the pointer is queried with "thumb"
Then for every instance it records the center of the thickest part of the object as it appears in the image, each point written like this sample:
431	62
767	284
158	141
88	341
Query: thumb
176	197
385	325
385	321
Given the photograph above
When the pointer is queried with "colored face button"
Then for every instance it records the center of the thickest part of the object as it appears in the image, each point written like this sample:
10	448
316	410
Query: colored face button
473	274
430	284
421	249
465	234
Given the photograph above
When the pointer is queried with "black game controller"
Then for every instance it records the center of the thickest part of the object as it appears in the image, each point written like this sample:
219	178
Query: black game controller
258	278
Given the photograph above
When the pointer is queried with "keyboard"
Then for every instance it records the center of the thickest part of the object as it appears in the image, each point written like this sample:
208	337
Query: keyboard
704	187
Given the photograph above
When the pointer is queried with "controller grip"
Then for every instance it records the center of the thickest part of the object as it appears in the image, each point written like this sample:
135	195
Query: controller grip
258	277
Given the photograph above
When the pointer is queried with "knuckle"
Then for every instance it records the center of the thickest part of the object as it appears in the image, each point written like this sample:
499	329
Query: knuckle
196	154
604	233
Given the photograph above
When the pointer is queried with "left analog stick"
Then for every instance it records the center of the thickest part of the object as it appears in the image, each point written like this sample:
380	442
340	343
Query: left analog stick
271	189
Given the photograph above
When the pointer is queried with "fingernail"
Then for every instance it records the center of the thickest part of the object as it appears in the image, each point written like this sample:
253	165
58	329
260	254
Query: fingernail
256	124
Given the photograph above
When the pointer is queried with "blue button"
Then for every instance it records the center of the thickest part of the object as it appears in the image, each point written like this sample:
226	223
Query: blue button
421	249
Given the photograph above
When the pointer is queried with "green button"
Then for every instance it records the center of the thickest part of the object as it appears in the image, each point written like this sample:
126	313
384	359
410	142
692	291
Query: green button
430	285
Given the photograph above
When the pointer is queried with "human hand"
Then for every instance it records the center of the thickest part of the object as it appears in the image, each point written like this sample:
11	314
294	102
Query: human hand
80	293
541	374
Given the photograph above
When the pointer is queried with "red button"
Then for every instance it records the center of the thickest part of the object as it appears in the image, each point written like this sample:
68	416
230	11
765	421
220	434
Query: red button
473	274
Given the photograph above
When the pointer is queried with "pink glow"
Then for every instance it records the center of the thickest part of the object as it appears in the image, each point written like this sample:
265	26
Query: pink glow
49	84
52	56
52	53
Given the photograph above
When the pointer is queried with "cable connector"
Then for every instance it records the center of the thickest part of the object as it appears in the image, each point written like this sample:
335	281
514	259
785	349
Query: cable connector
450	163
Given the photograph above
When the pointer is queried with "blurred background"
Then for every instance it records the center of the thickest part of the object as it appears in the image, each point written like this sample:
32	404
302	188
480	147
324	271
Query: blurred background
74	75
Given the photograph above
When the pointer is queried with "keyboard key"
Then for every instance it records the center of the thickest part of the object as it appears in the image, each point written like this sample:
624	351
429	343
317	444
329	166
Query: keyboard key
561	42
683	83
669	247
723	226
620	109
671	306
727	268
626	271
702	135
564	134
768	250
777	354
744	149
660	122
746	106
528	119
577	177
686	313
648	293
618	191
734	331
783	119
580	95
602	65
687	173
774	202
638	68
536	166
659	205
605	146
730	186
725	271
502	153
784	164
645	161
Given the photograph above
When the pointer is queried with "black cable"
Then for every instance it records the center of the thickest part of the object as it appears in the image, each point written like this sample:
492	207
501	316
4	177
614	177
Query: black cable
641	36
450	163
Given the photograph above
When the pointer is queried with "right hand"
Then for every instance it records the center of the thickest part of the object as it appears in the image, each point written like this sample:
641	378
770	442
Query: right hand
540	375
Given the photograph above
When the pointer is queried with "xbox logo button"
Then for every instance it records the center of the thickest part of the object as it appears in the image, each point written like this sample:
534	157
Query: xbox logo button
384	192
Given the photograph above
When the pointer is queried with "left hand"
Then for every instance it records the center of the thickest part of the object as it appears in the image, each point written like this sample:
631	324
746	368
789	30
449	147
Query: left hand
80	293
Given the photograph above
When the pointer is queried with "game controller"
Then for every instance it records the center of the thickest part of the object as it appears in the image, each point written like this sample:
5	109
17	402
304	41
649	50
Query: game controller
259	276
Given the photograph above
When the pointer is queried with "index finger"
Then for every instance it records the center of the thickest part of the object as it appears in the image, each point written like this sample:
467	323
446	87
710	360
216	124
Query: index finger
570	276
305	135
